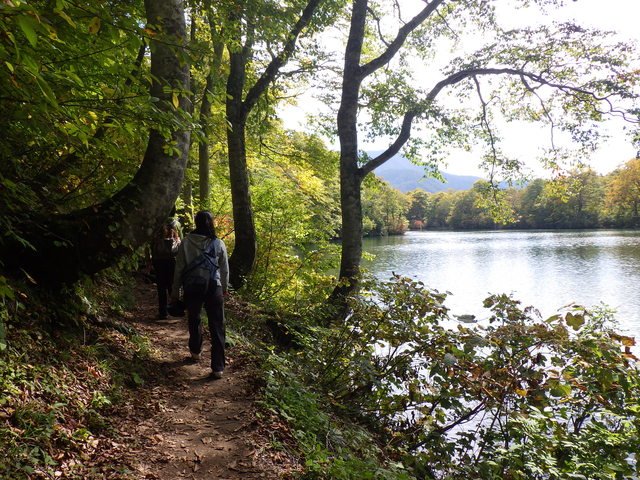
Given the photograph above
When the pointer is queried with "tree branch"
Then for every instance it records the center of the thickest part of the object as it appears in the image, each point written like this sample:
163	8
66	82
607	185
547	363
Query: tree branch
460	76
403	136
377	20
396	44
487	128
274	66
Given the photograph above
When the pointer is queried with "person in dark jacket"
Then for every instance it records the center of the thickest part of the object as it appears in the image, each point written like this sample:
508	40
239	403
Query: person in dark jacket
164	248
213	300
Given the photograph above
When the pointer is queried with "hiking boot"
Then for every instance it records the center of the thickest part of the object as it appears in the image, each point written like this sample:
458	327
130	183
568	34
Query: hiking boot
196	357
216	375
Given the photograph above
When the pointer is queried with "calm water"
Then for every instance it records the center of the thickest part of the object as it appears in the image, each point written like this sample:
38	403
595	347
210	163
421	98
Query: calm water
545	269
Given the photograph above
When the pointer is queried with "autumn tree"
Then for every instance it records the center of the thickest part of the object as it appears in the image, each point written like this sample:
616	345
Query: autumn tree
419	204
531	205
573	200
623	195
466	211
276	31
384	209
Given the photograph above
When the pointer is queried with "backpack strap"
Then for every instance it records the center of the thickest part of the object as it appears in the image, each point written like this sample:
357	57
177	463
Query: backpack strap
210	251
207	255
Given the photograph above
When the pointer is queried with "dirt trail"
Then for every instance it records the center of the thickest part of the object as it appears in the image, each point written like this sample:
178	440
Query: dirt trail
202	428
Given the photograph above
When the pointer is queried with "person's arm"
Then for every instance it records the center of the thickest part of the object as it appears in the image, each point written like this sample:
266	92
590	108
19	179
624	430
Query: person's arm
177	273
223	263
176	243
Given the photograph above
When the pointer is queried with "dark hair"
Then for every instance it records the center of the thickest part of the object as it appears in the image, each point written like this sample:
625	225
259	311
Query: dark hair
204	224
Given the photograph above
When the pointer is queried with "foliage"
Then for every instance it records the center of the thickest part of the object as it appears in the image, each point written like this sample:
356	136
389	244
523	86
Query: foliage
384	209
332	447
622	199
61	379
295	219
73	100
513	397
579	199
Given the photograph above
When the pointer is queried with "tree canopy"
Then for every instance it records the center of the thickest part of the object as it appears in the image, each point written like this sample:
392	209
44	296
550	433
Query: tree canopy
102	127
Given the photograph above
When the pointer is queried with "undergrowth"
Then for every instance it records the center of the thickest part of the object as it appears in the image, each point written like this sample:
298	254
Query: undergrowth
399	390
64	369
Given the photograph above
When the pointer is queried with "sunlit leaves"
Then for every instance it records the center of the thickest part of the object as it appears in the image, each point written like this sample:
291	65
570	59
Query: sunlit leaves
514	396
72	98
623	197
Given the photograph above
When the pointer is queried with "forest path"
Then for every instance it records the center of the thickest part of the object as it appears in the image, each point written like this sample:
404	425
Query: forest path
199	428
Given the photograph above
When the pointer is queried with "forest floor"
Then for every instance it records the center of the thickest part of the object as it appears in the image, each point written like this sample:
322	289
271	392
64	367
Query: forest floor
185	425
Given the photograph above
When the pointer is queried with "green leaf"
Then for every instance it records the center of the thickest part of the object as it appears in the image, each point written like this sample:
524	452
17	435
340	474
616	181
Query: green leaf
67	18
94	26
574	320
450	359
46	90
560	390
28	25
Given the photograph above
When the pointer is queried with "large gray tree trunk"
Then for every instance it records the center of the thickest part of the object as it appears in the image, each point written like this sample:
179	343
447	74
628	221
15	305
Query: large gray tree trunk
350	175
89	240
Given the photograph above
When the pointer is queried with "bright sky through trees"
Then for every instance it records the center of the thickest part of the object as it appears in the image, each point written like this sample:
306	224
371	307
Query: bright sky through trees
524	140
617	15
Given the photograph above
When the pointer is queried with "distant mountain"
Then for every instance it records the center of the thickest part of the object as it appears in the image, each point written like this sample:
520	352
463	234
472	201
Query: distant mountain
403	175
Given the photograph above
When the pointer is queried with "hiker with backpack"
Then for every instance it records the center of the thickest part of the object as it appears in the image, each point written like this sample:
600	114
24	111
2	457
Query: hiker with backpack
164	248
202	271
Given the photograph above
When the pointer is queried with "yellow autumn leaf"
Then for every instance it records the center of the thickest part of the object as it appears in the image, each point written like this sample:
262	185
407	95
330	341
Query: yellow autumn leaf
522	392
628	341
94	25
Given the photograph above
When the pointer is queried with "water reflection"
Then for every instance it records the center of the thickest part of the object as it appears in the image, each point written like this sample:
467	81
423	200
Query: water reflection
541	268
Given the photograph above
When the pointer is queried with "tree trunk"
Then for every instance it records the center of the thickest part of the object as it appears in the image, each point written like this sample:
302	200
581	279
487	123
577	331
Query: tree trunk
89	240
245	250
350	175
205	123
244	253
351	205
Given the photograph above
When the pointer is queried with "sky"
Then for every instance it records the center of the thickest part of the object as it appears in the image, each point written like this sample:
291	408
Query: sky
618	15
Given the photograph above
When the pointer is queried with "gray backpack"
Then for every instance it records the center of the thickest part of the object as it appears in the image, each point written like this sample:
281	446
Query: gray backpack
200	271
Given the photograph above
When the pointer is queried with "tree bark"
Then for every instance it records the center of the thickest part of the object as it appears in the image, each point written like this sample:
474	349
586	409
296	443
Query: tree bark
205	122
238	109
89	240
351	175
244	252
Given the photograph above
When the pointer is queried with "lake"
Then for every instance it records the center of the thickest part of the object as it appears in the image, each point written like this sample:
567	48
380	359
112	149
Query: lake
546	269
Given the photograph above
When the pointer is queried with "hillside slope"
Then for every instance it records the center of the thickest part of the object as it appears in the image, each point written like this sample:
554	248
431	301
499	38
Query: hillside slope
405	176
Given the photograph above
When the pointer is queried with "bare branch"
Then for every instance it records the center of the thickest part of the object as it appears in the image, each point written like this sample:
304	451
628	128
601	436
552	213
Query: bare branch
544	110
274	66
397	42
377	20
487	128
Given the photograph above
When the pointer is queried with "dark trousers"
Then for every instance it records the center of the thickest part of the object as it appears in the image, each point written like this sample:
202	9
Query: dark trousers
213	302
163	269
